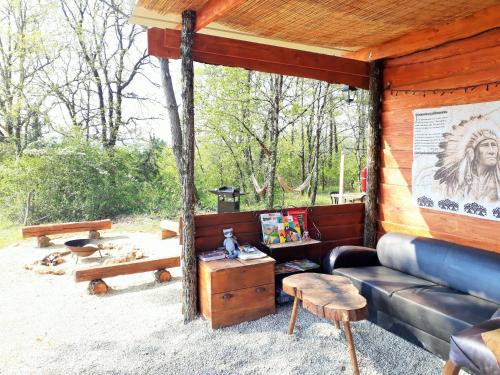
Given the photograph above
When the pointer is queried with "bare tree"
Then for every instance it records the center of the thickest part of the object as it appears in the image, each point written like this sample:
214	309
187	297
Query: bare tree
109	61
22	57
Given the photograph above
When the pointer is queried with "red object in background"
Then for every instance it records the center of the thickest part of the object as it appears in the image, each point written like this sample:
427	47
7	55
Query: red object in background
364	172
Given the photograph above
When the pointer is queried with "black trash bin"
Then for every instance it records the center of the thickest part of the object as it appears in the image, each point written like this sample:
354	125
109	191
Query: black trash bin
228	198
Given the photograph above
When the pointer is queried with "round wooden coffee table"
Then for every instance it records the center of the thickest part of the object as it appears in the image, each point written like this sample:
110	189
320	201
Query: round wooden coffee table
328	296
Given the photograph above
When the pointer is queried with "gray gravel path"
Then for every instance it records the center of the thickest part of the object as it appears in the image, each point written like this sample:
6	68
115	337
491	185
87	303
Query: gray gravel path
50	325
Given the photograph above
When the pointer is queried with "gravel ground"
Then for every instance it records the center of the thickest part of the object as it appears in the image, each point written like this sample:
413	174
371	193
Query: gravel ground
51	325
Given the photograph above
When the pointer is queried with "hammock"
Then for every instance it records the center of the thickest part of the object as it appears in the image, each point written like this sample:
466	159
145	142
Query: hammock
298	189
260	190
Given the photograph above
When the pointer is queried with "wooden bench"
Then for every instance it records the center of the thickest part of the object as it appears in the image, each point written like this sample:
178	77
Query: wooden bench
96	274
347	198
168	229
42	231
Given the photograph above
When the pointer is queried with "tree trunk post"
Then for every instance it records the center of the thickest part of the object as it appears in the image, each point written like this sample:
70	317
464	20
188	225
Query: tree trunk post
189	267
373	154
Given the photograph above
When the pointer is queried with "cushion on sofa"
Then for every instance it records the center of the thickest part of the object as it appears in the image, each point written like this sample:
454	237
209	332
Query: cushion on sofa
470	270
378	283
439	310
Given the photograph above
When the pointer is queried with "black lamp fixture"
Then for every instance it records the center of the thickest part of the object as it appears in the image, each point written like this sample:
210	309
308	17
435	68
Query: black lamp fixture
347	90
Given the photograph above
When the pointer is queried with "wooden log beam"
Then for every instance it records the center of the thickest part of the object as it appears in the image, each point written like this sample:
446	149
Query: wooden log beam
474	24
82	226
212	11
214	50
373	154
189	264
138	266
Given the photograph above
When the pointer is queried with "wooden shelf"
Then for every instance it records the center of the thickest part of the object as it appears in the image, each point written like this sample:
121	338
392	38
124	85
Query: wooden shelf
291	244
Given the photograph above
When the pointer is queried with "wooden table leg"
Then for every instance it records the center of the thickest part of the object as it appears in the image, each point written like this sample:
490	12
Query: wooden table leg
337	325
293	318
450	368
352	350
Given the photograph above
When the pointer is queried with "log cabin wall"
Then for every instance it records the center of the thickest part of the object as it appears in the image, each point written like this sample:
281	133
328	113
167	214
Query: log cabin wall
337	225
458	64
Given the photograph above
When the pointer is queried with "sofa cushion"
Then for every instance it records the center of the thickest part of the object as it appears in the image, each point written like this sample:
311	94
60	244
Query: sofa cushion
378	283
470	270
439	310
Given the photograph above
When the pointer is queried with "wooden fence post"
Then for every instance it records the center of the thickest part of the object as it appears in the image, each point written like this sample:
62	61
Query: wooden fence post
188	259
373	154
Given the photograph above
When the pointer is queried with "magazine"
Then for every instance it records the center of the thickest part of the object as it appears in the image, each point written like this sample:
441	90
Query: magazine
301	216
305	264
292	229
273	230
212	255
283	268
295	266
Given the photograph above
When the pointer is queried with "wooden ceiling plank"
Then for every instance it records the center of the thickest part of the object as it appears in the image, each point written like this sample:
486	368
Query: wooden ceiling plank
475	24
212	11
270	59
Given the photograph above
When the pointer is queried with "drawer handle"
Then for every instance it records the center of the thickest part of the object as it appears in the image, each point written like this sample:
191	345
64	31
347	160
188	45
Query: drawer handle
227	296
260	289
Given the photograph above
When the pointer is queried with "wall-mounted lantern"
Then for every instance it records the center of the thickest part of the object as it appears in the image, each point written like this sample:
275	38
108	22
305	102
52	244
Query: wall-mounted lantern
349	93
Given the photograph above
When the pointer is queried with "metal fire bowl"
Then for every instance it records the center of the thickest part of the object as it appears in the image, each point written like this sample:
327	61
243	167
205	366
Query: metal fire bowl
82	248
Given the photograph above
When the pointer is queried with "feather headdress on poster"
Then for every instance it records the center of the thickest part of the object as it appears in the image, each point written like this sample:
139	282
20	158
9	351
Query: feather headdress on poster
457	158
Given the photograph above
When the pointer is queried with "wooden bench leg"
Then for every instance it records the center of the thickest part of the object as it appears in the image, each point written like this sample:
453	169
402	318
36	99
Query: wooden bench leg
293	318
43	241
352	349
94	235
162	275
450	368
98	286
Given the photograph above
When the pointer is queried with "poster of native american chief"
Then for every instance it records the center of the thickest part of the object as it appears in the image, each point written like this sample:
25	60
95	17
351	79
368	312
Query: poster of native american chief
456	159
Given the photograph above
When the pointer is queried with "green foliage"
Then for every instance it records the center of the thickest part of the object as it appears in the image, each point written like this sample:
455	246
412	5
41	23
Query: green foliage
79	180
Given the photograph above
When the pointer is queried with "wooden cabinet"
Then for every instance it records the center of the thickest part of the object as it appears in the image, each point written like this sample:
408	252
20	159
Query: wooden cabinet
232	291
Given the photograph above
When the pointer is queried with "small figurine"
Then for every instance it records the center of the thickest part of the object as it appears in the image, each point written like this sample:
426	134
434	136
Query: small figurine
305	236
230	243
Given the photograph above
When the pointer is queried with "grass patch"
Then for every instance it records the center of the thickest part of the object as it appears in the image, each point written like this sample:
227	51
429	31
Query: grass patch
9	234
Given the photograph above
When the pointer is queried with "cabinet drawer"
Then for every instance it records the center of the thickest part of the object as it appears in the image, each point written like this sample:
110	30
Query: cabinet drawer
243	299
229	279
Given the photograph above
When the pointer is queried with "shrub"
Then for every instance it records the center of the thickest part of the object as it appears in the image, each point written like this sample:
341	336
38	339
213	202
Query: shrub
79	180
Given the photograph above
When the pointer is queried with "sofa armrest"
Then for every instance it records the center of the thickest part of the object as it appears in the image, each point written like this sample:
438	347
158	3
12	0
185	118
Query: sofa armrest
350	256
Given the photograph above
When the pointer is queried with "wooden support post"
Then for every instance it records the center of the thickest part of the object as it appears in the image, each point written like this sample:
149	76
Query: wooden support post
373	154
97	286
43	241
162	276
341	179
188	258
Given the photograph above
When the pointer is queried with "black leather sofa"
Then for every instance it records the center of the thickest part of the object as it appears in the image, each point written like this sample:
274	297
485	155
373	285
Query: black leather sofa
422	289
